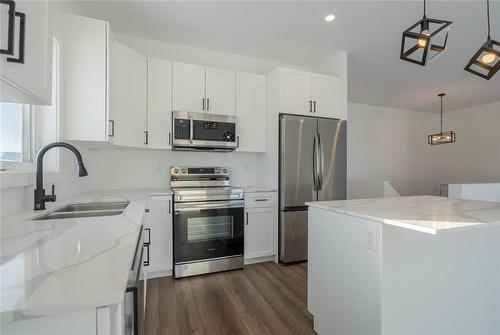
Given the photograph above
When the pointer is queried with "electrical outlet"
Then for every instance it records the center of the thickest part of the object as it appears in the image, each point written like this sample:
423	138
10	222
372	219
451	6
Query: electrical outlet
371	237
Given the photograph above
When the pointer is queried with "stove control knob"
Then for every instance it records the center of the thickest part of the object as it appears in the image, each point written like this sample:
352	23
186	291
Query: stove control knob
175	171
184	171
224	171
217	171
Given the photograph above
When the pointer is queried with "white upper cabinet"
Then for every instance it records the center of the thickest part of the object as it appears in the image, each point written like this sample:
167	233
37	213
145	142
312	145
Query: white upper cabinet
295	91
188	87
306	93
85	92
30	82
198	88
159	104
325	94
220	91
251	112
128	96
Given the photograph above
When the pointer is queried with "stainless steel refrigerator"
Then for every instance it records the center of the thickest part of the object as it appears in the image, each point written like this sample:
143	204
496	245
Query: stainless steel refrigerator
312	167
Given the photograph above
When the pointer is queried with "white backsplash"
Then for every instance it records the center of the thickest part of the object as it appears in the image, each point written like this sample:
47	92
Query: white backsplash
137	168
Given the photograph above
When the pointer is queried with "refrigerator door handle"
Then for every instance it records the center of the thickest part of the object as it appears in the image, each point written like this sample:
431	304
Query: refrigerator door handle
321	165
315	164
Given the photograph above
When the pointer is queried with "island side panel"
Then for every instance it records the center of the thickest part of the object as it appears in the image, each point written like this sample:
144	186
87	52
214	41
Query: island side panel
343	274
447	283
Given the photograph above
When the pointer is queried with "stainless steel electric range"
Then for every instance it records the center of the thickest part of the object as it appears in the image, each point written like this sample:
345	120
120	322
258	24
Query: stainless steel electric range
208	223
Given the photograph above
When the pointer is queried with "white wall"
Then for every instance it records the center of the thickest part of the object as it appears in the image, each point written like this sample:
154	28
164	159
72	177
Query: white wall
475	157
136	168
391	144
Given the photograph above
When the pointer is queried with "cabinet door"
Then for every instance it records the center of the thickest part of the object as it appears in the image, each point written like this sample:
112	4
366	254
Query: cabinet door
220	91
159	103
159	220
295	92
326	96
85	62
30	82
188	87
259	234
128	95
251	112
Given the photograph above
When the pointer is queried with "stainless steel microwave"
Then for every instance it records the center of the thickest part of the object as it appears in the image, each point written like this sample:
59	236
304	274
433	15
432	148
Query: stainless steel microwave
204	132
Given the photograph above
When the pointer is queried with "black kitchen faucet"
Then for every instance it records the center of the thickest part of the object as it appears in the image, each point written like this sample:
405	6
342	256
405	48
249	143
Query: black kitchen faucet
40	197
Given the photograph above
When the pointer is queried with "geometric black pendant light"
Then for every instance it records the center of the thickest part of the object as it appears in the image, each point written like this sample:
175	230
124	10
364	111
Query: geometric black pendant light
441	137
486	61
425	40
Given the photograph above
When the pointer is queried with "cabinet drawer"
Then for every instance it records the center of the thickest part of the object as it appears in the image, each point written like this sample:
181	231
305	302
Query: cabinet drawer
261	199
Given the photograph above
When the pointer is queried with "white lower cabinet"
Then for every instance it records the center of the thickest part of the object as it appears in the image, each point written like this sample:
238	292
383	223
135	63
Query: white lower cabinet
159	223
261	221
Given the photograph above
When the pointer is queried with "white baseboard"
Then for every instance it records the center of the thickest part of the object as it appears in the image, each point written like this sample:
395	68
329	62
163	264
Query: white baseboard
255	260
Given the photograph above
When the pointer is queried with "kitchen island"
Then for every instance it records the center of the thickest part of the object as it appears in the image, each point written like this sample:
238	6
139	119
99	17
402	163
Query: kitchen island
406	265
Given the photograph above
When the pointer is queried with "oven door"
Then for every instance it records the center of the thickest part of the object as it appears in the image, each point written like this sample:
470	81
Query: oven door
208	230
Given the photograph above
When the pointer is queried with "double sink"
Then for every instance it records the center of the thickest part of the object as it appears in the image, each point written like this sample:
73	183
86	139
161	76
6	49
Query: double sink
86	210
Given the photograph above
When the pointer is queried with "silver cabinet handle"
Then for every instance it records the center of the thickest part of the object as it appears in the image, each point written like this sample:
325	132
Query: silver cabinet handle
247	217
169	138
203	103
314	103
261	199
310	106
146	137
208	104
112	131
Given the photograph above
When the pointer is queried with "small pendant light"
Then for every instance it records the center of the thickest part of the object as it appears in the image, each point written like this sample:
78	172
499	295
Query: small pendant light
486	61
425	40
442	137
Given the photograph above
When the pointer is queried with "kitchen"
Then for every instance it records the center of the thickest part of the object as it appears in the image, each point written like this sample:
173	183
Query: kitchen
139	89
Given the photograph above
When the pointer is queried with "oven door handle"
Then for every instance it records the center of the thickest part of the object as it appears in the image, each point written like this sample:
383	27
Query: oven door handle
197	206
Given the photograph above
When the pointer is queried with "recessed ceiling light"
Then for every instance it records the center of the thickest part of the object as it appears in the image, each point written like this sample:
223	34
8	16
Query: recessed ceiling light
329	18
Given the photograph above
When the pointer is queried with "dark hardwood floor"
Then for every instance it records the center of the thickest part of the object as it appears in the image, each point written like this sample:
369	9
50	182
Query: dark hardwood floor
265	298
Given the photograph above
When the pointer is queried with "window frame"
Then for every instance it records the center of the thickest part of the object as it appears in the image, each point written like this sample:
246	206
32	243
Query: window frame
28	143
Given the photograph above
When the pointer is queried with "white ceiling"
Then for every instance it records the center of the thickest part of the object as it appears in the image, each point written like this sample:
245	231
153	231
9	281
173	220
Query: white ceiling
289	31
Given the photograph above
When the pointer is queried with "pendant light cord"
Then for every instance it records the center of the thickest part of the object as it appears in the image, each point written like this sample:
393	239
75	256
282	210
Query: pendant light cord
424	9
441	115
488	15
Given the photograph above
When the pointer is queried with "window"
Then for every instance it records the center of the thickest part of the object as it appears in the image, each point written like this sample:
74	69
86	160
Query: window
16	133
25	128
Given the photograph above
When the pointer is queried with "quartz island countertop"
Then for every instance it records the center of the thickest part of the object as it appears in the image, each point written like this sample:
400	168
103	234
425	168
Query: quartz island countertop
428	214
60	266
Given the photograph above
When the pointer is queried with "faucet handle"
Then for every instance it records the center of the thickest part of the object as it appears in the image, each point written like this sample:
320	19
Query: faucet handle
52	197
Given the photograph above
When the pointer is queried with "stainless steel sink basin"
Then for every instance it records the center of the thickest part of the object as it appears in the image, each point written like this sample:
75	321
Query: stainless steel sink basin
93	206
86	210
74	215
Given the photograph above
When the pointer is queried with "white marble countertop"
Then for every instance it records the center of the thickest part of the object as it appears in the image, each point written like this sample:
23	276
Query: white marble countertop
428	214
59	266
